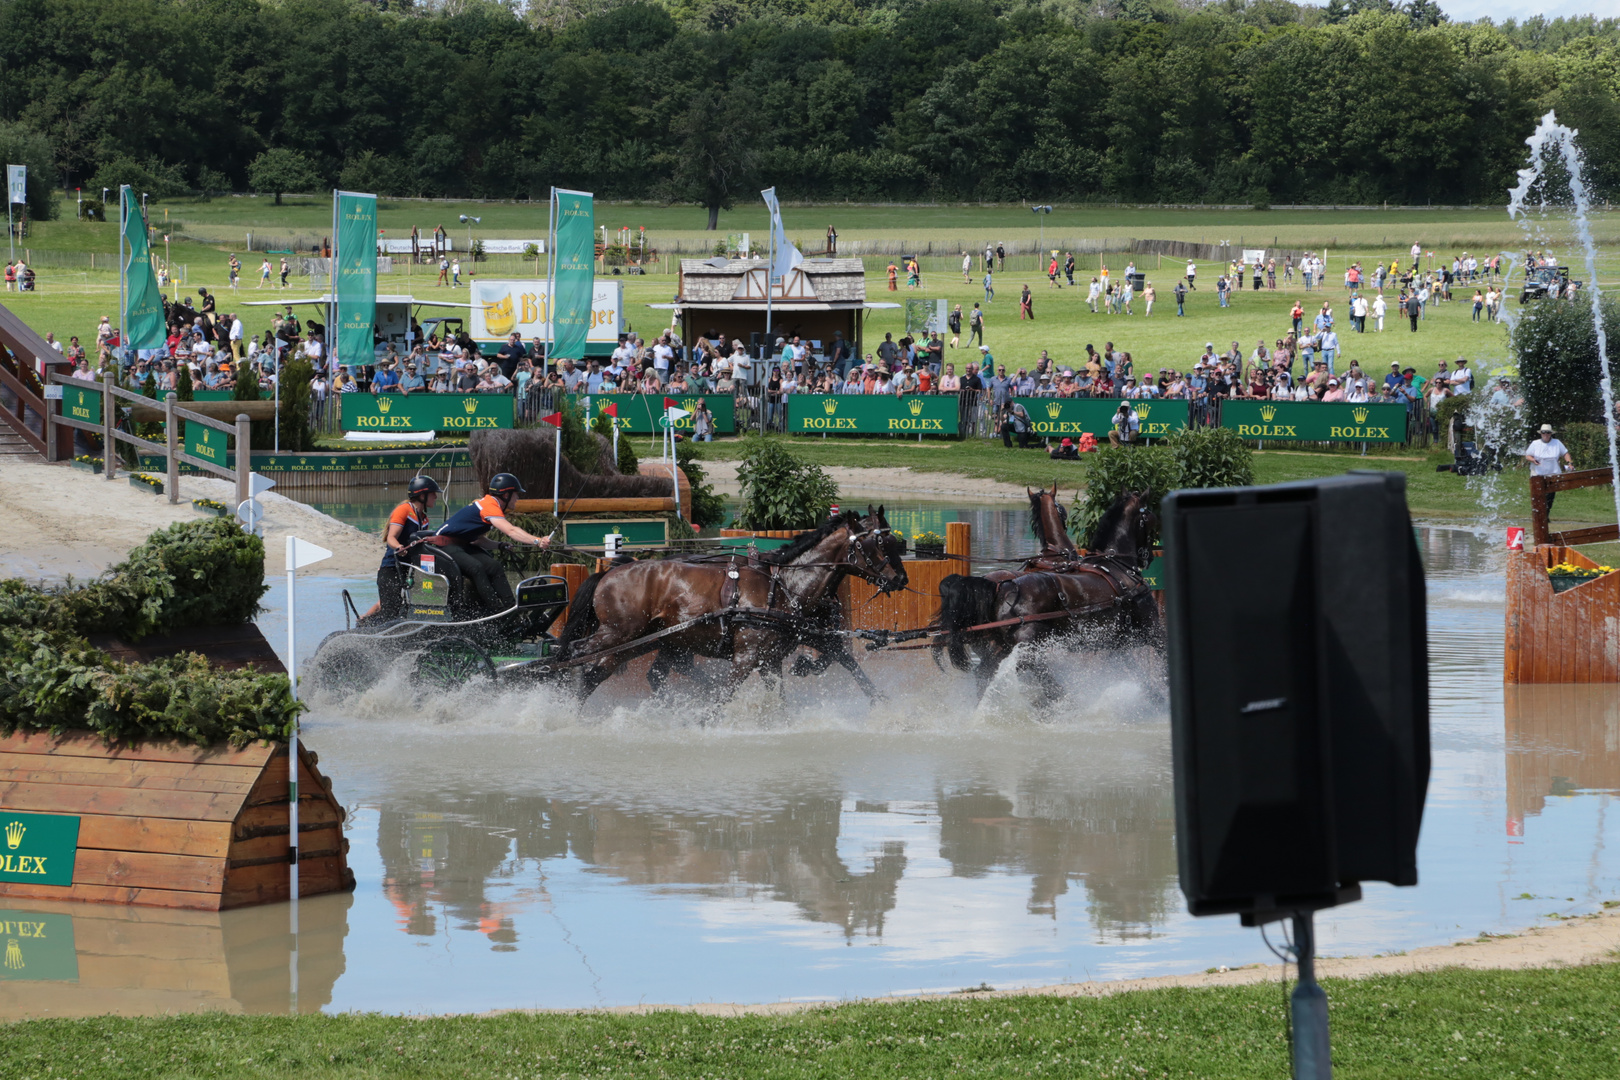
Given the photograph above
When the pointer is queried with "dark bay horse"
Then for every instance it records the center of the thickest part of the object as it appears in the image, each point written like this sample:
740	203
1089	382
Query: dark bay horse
633	600
1101	595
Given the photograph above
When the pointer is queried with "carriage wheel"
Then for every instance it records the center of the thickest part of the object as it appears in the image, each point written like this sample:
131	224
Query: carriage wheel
451	663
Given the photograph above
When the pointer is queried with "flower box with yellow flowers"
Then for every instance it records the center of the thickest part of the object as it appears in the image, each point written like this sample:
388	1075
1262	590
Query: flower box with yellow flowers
1567	575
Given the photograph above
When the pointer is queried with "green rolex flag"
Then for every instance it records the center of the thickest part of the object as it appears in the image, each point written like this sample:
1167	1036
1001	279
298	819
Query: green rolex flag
574	273
355	280
143	305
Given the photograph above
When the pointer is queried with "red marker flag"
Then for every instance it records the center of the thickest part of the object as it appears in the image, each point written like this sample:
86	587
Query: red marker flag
555	419
612	409
671	403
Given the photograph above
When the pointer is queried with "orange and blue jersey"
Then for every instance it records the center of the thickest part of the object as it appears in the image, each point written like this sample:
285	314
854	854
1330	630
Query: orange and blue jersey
411	520
472	521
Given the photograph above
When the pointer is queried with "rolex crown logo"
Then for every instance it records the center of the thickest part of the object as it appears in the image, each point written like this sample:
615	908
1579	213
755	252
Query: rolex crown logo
384	404
1143	410
14	959
1267	412
470	405
1360	415
1054	410
14	834
830	405
916	406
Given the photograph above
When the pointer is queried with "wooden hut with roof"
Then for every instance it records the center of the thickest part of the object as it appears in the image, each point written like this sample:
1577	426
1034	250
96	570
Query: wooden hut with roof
725	299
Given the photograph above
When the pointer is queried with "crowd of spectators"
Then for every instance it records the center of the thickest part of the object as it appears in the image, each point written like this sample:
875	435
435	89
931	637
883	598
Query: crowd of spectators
1307	363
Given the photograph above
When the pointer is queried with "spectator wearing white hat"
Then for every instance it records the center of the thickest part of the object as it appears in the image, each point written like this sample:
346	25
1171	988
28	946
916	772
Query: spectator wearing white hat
1543	454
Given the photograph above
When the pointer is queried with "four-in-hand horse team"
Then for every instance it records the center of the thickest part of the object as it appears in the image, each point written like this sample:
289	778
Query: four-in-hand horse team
445	604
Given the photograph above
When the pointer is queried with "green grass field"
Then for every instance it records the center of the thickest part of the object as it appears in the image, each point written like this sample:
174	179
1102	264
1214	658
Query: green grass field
1453	1023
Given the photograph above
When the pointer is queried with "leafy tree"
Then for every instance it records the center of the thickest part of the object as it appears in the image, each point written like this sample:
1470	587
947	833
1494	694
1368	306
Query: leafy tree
22	145
151	177
279	170
779	490
579	446
296	436
708	508
628	463
1559	369
717	150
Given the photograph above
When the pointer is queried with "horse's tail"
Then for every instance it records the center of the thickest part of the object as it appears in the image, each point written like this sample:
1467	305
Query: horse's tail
964	601
582	621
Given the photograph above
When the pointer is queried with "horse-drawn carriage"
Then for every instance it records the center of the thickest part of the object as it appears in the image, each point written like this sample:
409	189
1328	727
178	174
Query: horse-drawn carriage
756	610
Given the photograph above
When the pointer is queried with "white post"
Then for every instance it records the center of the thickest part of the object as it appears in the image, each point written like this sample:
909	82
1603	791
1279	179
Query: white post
292	765
556	474
299	553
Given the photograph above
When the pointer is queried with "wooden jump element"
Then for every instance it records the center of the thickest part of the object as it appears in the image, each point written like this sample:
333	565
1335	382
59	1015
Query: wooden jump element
1542	486
173	825
1567	637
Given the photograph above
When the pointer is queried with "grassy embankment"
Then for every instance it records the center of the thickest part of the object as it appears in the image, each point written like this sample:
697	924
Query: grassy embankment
1486	1024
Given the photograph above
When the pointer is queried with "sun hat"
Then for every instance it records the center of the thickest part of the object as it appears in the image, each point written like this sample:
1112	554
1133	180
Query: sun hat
1546	429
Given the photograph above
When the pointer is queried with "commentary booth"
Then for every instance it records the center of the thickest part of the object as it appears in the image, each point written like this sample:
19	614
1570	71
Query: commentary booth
725	300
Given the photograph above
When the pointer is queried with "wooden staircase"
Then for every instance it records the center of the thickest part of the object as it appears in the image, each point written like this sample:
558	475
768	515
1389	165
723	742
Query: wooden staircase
24	415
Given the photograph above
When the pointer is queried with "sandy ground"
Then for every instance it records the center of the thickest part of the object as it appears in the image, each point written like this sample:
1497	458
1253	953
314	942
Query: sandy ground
1590	939
887	483
62	521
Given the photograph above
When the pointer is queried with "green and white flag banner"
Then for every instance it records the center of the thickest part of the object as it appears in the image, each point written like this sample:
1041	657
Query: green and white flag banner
143	304
354	284
574	272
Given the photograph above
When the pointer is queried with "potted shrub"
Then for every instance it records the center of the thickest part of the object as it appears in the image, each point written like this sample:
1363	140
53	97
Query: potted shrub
927	545
146	482
87	463
1567	575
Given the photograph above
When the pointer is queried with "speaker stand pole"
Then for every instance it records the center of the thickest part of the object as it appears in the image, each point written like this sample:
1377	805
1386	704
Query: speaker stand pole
1312	1060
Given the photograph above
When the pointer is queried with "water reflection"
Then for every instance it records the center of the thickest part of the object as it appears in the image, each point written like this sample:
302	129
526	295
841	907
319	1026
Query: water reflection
1562	741
836	860
92	959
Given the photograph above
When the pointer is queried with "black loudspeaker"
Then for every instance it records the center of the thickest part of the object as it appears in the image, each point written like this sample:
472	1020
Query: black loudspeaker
755	341
1299	692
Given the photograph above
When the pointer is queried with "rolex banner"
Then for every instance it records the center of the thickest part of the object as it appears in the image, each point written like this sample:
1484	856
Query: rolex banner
355	284
1315	421
1071	417
143	310
425	412
909	414
574	273
643	414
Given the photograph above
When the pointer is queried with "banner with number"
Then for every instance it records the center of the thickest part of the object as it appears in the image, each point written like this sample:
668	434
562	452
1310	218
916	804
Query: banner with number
143	313
17	183
574	272
355	288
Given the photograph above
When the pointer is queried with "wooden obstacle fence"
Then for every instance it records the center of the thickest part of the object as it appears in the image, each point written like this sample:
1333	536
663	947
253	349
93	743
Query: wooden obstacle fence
1567	637
1561	637
1543	486
649	504
174	825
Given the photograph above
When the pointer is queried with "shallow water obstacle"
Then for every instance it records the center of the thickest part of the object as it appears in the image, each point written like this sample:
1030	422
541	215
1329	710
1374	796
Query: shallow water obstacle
162	824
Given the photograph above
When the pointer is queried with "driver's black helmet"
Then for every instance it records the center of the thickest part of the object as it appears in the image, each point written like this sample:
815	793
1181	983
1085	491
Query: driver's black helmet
423	485
504	484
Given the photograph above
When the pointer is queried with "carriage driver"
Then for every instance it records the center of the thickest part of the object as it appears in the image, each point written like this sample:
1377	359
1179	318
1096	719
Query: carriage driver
465	531
407	528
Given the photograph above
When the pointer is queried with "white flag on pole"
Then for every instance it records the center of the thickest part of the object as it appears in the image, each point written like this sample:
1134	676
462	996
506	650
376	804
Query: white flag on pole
787	256
17	183
675	414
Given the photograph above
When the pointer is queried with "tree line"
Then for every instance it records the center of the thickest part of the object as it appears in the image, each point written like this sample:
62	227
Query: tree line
706	101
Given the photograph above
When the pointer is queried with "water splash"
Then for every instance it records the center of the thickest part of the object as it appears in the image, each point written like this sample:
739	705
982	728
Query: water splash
1551	135
1497	427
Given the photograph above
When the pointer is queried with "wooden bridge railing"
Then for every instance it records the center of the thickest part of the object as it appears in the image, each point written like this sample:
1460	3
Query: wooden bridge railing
1542	486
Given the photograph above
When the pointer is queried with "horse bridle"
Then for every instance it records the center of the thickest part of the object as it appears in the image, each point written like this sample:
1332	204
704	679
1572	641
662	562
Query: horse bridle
864	566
